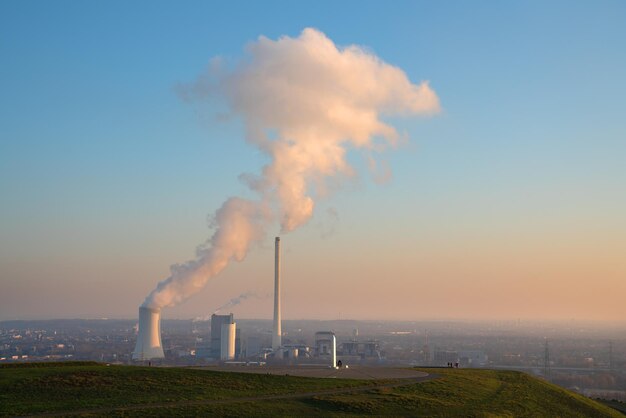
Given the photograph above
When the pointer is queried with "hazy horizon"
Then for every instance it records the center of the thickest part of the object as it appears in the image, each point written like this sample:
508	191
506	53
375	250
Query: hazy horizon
465	161
558	324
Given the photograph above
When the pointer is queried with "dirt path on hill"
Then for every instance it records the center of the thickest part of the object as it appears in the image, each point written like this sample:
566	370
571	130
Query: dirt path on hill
319	371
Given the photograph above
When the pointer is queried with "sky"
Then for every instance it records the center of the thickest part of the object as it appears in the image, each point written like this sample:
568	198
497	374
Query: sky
508	203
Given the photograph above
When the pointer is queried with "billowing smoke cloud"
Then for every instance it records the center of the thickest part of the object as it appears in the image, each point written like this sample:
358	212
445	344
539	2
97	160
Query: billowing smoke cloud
305	103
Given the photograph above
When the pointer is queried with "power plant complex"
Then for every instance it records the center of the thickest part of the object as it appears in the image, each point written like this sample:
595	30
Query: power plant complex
225	342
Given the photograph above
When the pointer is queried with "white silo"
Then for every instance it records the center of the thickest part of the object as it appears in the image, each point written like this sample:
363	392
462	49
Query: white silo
149	336
229	331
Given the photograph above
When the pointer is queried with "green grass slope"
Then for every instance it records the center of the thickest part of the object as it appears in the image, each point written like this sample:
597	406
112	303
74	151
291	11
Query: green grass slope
91	389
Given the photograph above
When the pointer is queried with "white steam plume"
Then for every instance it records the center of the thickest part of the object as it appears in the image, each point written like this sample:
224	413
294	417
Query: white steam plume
238	223
232	302
235	301
305	103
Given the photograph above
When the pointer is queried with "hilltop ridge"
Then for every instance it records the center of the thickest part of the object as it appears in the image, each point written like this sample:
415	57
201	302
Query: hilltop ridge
61	389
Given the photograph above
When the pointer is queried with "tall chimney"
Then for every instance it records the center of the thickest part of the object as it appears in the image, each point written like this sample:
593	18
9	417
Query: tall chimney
277	335
149	336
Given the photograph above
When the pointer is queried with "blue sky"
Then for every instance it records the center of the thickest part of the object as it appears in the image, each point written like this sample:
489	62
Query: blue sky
107	176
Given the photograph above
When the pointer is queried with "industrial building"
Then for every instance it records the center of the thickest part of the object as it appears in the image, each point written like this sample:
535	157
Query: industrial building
227	339
217	321
326	346
361	350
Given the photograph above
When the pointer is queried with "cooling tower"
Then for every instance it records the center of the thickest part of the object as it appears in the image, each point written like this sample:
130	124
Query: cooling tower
229	331
149	336
276	335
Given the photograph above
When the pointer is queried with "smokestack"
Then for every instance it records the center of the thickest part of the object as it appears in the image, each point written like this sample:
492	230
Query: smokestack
149	337
277	335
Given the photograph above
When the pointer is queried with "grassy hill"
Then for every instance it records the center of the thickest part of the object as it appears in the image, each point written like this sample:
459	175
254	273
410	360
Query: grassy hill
93	389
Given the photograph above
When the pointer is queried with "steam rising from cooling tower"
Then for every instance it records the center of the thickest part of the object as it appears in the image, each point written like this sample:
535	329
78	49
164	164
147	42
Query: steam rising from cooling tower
305	103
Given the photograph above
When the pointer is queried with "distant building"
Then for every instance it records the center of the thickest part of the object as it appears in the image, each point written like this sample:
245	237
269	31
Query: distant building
253	346
472	358
326	346
442	357
351	348
369	349
216	332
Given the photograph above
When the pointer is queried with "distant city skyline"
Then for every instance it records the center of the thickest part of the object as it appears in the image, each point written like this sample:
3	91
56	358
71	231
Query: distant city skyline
508	203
